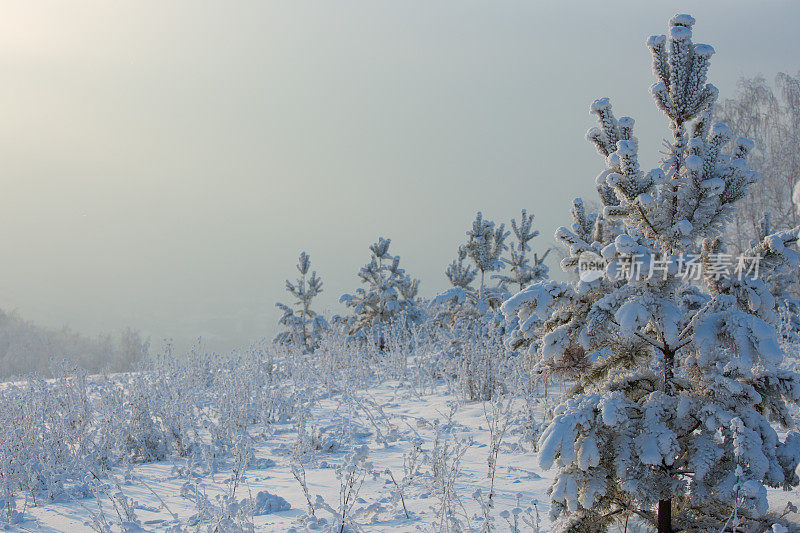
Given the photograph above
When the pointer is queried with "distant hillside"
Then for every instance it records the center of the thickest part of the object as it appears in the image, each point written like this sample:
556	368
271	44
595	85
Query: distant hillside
26	347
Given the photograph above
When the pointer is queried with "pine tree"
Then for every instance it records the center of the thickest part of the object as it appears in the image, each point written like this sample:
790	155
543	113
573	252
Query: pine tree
486	243
672	421
459	274
460	300
389	296
484	248
303	325
522	271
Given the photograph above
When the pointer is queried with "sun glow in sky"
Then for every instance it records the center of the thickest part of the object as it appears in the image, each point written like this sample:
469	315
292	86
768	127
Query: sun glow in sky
162	164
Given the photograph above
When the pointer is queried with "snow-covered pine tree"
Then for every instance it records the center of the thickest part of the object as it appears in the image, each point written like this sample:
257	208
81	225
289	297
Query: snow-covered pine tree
459	274
460	300
673	422
522	271
389	295
303	324
484	247
485	244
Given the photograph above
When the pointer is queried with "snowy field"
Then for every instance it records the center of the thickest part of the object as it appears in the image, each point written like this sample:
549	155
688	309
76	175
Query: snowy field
391	421
396	455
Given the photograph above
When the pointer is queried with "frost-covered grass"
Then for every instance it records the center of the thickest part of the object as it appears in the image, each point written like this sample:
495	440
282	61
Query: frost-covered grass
351	438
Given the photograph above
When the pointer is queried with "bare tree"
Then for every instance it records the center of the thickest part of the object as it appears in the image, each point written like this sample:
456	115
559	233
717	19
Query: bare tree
770	117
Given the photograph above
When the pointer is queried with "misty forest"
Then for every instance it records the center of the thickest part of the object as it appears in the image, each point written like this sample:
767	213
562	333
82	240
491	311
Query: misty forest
639	371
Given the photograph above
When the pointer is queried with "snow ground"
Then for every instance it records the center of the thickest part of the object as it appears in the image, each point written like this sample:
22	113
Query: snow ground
412	416
391	409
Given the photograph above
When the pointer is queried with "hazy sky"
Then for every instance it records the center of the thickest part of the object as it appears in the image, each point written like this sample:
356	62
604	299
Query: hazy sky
162	164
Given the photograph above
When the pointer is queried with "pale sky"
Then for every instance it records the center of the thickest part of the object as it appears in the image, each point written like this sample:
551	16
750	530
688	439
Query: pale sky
162	164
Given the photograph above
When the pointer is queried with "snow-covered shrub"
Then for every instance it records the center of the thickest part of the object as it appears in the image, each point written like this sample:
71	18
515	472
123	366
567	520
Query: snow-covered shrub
303	325
522	519
445	457
674	413
9	514
460	274
224	513
341	361
145	438
480	360
497	422
46	442
268	503
55	434
351	475
412	461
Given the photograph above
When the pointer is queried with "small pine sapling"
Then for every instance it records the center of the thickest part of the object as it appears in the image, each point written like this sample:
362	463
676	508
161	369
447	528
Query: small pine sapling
459	274
484	248
461	299
523	272
388	298
303	325
486	243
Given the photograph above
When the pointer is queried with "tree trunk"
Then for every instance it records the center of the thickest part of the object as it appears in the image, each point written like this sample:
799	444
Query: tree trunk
665	516
665	506
669	363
